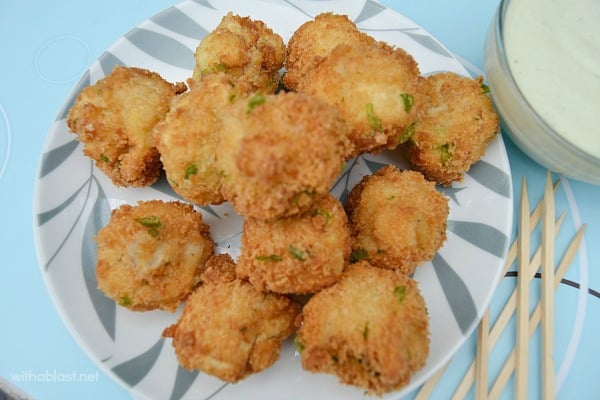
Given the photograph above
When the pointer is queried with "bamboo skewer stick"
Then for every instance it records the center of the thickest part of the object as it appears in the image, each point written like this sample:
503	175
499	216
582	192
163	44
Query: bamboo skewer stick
505	315
482	358
509	365
523	249
547	301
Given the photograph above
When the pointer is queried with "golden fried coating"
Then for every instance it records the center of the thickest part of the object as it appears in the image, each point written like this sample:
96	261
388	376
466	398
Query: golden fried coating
151	255
245	49
280	152
299	254
456	125
376	90
314	40
218	268
371	329
231	330
188	137
114	119
398	219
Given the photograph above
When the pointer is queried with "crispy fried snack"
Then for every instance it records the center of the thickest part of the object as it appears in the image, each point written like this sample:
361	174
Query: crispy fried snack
376	90
245	49
280	152
151	255
398	219
114	118
299	254
314	40
218	268
188	137
371	329
456	125
230	330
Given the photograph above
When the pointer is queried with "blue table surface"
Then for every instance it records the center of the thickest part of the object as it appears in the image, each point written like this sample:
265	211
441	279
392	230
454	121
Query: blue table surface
36	349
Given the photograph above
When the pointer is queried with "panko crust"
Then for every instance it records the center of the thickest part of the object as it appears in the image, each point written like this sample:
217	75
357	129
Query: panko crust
231	330
376	90
456	125
151	255
314	40
398	219
279	153
371	329
114	117
299	254
218	268
246	49
189	136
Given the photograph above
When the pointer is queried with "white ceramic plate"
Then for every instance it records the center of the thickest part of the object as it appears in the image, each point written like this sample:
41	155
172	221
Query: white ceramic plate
73	200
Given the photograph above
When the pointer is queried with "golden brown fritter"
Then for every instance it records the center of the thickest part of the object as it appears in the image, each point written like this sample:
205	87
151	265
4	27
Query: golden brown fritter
243	48
218	268
188	137
151	255
371	329
314	40
280	152
114	119
299	254
376	90
231	330
456	125
398	219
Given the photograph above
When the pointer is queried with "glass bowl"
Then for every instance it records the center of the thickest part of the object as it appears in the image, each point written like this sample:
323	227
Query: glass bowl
526	128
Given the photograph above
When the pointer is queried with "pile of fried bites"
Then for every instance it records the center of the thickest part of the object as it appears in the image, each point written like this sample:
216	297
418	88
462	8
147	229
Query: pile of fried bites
272	143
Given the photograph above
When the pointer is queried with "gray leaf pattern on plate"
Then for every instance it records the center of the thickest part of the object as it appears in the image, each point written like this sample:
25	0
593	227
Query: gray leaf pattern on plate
484	236
492	178
105	307
428	42
456	292
83	82
55	157
135	369
183	381
369	10
108	61
175	20
162	48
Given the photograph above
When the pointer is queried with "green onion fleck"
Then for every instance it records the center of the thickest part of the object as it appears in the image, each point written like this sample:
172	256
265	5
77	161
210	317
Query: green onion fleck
299	345
103	157
151	223
365	332
357	255
256	100
125	301
400	293
191	170
374	120
408	100
297	253
445	155
408	132
485	88
271	258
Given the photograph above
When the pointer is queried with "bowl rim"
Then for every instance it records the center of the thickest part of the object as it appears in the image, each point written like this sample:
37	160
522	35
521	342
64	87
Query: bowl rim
499	37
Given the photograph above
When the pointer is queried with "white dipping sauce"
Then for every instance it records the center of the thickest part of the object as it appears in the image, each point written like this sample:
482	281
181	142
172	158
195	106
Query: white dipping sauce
553	51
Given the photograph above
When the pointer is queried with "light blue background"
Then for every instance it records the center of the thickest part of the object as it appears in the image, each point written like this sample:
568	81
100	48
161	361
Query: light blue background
37	73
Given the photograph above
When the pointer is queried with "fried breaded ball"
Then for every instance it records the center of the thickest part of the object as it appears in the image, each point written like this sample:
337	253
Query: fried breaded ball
314	40
231	330
299	254
456	125
114	119
376	90
151	255
188	137
371	329
280	152
245	49
218	268
398	219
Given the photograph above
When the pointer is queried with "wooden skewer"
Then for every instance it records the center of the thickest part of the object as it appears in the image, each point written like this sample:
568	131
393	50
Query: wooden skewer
509	365
430	384
522	346
509	308
503	318
481	360
548	377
